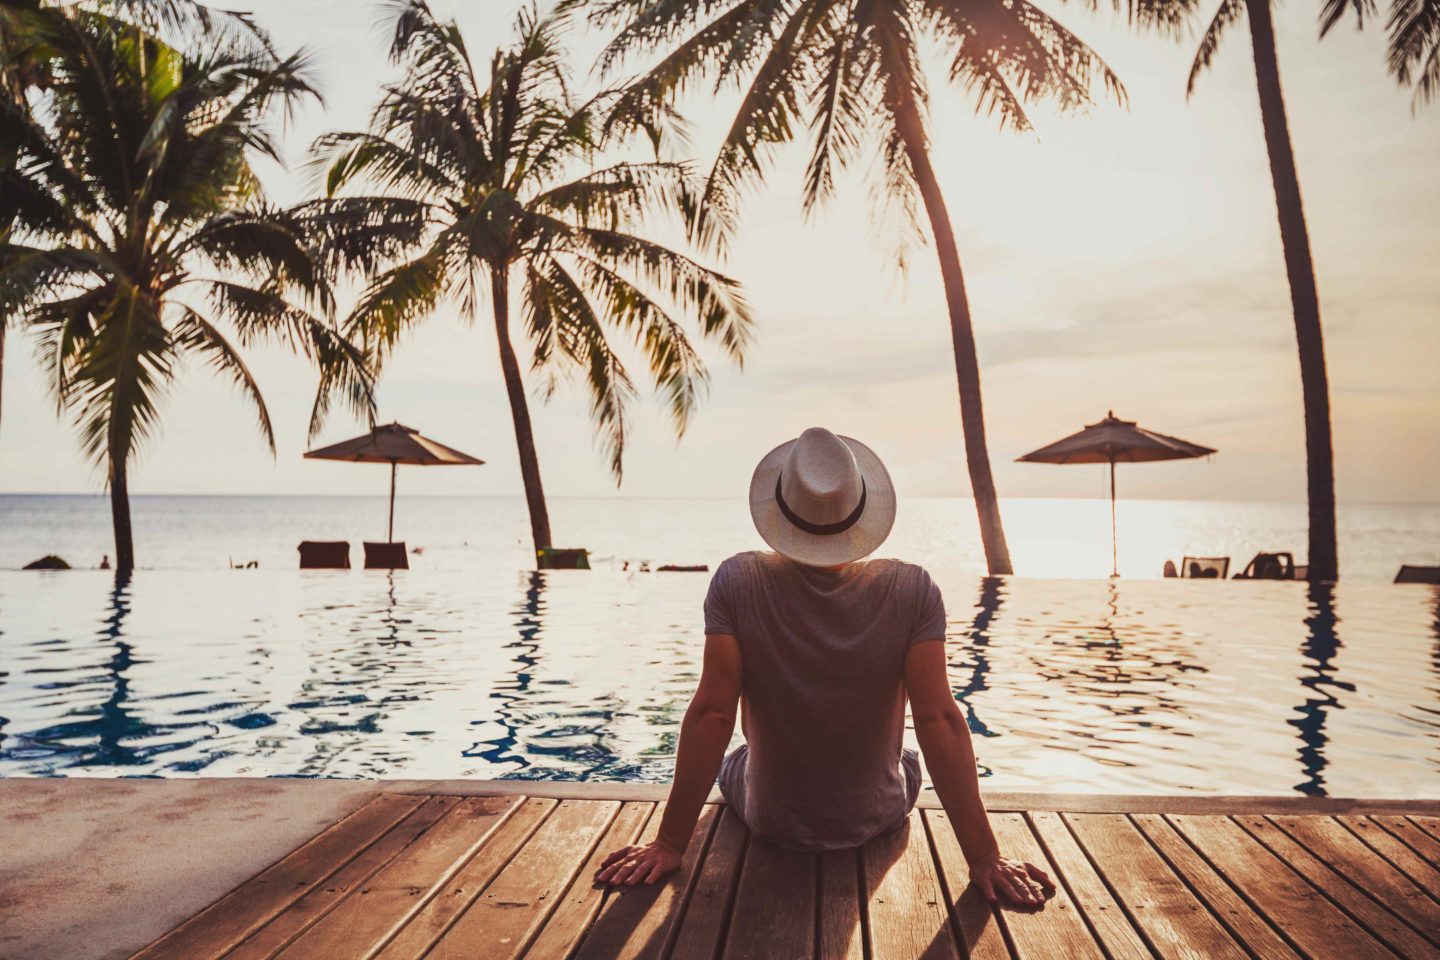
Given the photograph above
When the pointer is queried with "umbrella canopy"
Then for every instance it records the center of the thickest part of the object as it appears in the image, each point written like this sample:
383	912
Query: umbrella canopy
395	444
1113	441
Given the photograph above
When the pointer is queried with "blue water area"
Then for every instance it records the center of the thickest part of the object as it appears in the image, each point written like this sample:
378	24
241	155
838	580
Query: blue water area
1069	685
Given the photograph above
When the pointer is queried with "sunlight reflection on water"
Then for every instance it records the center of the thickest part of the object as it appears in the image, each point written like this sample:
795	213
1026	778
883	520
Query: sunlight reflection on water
1086	686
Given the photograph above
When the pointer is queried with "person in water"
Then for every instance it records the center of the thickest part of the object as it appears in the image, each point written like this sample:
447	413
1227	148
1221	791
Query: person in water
823	646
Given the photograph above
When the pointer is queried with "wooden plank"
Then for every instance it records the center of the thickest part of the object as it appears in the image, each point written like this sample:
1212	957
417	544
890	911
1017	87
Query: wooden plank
1430	825
1167	913
774	916
971	911
905	903
581	902
1004	801
1295	907
707	917
1404	859
1426	846
1077	875
436	916
1244	923
1328	855
842	929
244	910
641	921
321	899
1054	930
366	919
501	924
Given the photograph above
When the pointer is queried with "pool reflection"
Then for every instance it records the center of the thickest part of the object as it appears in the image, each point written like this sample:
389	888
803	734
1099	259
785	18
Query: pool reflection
1105	686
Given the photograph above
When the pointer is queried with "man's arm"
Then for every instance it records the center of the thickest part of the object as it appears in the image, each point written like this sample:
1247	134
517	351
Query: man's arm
950	757
704	734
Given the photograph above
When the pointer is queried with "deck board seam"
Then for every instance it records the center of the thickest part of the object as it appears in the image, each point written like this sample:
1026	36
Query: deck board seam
1424	888
1431	832
534	828
951	898
1064	880
1200	897
608	892
1319	856
1250	902
1114	891
723	936
560	888
218	905
867	946
360	882
441	881
1406	842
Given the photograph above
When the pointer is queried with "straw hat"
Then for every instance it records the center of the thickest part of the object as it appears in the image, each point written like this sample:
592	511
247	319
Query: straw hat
822	500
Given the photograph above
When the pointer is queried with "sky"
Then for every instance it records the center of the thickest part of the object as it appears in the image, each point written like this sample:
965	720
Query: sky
1123	258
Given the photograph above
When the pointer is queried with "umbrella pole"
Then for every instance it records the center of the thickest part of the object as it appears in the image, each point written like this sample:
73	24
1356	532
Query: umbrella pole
390	530
1114	540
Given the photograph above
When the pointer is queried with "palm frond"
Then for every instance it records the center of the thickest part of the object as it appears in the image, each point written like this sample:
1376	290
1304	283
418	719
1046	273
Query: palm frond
194	334
1230	11
555	302
1414	46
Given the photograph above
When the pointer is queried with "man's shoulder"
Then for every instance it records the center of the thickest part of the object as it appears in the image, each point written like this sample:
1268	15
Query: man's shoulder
749	560
899	568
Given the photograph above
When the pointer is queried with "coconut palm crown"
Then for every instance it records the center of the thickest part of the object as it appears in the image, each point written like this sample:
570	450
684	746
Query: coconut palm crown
504	165
143	236
849	73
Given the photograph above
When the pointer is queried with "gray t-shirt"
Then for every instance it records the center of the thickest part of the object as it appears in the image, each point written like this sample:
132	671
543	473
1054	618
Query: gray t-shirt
823	694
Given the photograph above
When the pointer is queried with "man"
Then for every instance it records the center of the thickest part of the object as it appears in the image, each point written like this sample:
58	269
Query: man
823	647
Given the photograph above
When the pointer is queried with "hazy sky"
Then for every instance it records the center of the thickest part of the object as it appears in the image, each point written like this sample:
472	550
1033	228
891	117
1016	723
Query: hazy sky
1124	259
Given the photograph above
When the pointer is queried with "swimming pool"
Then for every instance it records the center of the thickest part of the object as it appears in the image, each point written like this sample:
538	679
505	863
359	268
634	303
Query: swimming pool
1083	685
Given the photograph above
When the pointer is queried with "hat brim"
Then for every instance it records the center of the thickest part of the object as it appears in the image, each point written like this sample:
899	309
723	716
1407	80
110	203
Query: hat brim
824	550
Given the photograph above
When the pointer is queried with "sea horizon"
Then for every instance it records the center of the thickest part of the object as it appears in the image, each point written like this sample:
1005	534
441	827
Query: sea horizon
1051	538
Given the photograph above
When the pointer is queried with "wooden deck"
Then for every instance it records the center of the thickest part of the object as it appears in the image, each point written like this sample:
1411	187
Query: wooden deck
508	876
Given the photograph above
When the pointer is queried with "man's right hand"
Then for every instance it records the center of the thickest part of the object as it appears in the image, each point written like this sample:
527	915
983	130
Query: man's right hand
638	864
1019	882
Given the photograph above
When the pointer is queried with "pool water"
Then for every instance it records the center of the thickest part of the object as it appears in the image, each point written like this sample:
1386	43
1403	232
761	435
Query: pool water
1079	685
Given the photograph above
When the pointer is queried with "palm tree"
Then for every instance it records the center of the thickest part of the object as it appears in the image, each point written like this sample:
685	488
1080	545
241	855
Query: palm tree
1299	265
850	69
21	69
144	230
24	63
491	166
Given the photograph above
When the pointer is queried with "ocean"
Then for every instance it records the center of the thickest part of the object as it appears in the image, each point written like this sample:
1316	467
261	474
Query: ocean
1049	539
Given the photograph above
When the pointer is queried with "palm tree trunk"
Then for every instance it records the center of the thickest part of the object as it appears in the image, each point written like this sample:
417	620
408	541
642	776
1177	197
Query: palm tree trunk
1304	300
520	412
120	515
962	335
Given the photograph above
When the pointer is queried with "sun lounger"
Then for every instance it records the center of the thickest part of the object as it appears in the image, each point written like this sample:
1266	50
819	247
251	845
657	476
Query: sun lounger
1205	568
1270	566
562	558
1414	574
386	556
325	555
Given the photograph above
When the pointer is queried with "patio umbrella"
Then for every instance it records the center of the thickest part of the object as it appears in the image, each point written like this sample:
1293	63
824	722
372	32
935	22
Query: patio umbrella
1113	441
395	444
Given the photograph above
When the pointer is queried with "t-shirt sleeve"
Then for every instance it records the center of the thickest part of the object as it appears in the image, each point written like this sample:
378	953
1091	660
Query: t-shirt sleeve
719	603
929	612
